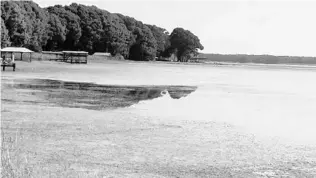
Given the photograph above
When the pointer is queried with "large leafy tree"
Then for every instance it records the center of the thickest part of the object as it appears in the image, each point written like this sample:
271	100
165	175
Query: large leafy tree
37	20
143	45
90	24
15	21
184	43
56	34
26	23
148	44
100	30
5	39
72	23
118	35
161	36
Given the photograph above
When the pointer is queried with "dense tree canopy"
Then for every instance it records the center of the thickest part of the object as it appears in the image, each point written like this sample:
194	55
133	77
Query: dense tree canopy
184	43
5	39
16	24
26	23
56	33
88	28
144	44
162	38
72	23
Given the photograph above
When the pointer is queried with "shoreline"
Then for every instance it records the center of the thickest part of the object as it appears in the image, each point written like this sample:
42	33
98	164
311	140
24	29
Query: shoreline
98	59
215	63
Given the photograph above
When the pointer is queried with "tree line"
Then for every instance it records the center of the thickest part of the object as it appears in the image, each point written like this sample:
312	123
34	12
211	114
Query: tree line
87	28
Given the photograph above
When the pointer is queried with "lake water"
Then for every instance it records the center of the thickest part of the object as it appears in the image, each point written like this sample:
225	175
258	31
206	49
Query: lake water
274	101
188	120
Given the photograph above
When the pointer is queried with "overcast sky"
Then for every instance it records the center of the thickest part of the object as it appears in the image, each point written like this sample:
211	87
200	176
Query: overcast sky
228	27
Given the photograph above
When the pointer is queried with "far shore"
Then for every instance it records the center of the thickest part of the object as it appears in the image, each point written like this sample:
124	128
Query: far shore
100	59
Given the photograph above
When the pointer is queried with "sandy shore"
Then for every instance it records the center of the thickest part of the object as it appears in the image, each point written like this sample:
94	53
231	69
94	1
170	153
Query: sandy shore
209	133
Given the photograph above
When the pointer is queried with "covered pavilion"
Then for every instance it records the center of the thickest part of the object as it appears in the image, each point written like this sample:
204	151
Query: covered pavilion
9	51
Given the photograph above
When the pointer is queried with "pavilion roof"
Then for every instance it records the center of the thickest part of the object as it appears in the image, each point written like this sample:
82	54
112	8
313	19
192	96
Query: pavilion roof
16	49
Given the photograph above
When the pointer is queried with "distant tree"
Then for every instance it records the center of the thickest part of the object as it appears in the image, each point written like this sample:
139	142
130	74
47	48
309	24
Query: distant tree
90	24
56	34
5	39
161	36
119	37
72	23
16	23
26	23
37	22
184	44
101	31
148	44
132	26
143	45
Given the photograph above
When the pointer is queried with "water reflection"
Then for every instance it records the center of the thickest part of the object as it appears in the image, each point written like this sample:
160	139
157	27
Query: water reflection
95	96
